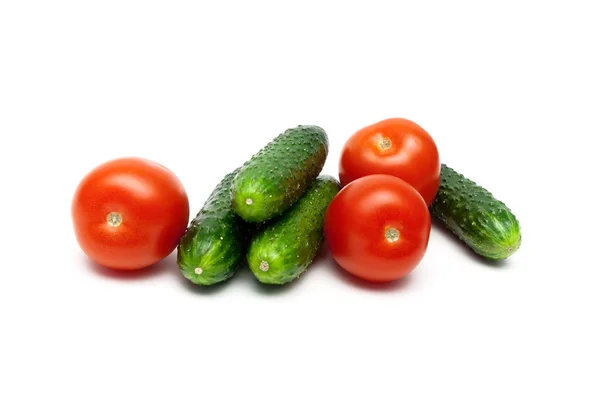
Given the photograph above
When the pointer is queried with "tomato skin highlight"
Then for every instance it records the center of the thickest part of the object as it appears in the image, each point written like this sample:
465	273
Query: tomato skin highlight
377	228
129	213
394	146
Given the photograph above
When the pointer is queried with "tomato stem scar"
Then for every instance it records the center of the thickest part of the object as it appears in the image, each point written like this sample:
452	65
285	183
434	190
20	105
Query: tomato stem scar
249	201
198	271
392	234
384	143
114	219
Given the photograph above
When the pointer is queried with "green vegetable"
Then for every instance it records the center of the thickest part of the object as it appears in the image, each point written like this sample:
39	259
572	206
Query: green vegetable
277	176
216	240
284	248
472	213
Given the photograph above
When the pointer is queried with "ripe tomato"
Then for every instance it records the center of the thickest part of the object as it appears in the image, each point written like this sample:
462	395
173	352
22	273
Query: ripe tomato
394	146
377	228
129	213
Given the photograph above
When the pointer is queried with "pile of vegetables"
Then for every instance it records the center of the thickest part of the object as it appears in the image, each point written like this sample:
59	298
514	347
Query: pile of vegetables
274	212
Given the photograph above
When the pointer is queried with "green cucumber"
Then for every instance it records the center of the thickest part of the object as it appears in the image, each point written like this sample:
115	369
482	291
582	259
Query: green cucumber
473	214
283	249
215	242
277	176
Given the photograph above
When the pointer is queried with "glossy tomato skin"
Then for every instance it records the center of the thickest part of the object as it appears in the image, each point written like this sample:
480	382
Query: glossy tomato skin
129	213
377	228
395	146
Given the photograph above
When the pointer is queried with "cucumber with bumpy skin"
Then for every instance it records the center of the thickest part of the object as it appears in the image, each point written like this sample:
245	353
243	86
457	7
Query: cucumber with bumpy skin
277	176
283	249
215	242
473	214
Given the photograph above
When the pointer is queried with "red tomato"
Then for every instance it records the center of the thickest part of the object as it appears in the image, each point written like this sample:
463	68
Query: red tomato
129	213
394	146
377	228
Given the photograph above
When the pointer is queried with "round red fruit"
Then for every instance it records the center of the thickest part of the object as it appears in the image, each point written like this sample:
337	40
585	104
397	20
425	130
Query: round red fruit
129	213
397	147
377	228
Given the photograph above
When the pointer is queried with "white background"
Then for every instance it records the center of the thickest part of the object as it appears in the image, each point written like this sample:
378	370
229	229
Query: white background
510	92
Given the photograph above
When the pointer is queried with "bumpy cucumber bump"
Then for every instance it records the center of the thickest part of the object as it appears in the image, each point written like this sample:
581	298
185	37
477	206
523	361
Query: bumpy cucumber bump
216	240
285	247
472	213
275	177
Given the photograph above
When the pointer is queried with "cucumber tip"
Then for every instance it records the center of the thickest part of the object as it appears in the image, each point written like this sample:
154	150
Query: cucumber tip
264	266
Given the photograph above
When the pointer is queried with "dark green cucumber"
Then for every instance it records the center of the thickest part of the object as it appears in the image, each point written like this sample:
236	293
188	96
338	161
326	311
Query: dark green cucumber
215	242
472	213
277	176
284	248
